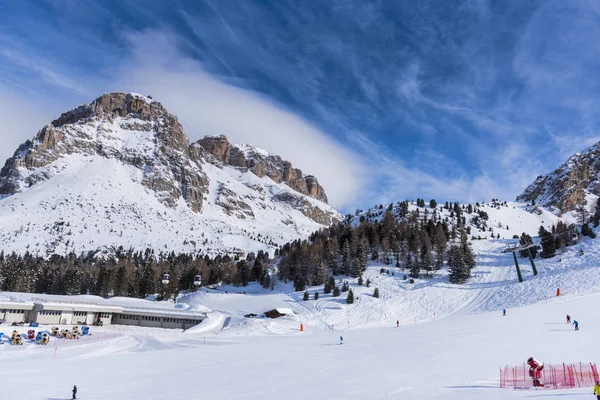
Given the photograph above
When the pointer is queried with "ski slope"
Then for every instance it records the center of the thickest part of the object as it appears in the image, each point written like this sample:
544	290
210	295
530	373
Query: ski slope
451	342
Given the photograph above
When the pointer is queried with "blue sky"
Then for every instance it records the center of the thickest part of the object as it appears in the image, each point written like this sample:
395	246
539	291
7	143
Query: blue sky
381	100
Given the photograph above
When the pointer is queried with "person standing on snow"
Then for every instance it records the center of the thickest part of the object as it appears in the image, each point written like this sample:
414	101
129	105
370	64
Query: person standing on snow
341	340
504	313
535	371
576	325
397	323
74	392
597	390
568	319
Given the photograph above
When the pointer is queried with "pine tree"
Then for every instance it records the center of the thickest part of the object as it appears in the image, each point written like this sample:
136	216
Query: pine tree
345	286
316	296
587	231
360	280
306	296
459	271
350	298
376	293
336	291
548	243
526	239
329	285
596	217
368	282
346	258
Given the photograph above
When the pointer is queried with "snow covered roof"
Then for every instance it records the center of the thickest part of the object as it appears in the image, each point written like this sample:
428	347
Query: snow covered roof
12	305
285	311
118	305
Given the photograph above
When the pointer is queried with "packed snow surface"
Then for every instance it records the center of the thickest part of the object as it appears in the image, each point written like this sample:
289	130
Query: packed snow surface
451	342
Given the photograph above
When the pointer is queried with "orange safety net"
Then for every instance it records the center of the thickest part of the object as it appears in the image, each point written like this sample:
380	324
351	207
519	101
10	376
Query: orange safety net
555	376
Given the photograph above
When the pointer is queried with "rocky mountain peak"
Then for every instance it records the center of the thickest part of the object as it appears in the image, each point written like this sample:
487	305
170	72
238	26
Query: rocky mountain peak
566	187
131	142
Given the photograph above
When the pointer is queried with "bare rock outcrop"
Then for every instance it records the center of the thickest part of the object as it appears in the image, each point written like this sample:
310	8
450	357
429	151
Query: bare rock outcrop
565	188
262	164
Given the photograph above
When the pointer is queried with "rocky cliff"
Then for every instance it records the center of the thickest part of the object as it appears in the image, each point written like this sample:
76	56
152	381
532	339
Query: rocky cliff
568	186
261	163
127	140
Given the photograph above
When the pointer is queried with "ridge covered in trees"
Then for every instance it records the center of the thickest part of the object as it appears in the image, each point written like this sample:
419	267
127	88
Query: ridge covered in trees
411	240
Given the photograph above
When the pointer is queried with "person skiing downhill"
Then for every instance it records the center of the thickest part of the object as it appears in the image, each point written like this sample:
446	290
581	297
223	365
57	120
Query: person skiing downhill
341	340
535	371
74	392
576	325
597	390
504	313
568	319
397	323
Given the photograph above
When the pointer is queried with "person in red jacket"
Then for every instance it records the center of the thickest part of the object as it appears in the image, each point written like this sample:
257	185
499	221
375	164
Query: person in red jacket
535	370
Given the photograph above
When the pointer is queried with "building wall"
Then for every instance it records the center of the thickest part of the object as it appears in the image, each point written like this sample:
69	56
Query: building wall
154	322
66	317
90	318
126	319
48	317
14	315
79	317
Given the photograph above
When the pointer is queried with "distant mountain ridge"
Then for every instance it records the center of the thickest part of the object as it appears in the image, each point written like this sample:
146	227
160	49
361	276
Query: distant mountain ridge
125	156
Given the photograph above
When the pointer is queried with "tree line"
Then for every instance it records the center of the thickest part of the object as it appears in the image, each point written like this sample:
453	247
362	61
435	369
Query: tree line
127	272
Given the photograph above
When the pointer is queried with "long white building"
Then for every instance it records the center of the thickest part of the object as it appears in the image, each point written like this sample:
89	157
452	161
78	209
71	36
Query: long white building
79	310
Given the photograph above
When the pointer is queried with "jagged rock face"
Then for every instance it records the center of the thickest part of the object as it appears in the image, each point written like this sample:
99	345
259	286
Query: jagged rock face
566	187
149	144
126	127
261	165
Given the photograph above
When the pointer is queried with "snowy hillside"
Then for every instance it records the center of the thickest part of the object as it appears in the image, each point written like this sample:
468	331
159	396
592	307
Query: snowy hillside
451	342
486	218
120	171
493	286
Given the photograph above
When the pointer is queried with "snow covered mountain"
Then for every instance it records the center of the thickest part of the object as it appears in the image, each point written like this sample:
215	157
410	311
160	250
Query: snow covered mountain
121	171
574	183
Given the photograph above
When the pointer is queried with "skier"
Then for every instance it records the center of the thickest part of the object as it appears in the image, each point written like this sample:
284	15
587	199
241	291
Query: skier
74	392
568	319
504	313
597	390
397	323
341	340
576	324
535	371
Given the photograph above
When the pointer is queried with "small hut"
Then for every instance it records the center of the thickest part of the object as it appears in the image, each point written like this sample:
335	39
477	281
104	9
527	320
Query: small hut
279	312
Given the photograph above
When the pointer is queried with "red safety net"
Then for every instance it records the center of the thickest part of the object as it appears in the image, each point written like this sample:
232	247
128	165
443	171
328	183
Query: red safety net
556	376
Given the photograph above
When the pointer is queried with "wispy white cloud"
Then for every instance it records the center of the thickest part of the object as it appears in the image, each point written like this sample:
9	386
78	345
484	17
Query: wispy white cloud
381	101
208	106
22	114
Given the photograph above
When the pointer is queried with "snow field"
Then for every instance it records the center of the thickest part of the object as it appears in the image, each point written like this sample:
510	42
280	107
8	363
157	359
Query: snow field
455	358
451	342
